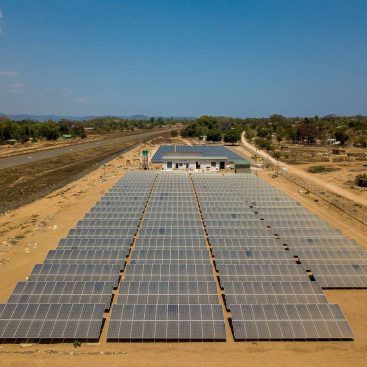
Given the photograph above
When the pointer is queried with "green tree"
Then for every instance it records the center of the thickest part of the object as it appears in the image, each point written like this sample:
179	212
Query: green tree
214	135
78	130
232	137
341	136
264	144
50	130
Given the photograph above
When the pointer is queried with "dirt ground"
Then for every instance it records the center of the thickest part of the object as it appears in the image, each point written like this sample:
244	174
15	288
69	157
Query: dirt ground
29	232
351	201
343	176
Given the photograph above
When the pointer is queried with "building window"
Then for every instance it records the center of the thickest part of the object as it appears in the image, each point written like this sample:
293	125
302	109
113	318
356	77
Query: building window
213	164
169	164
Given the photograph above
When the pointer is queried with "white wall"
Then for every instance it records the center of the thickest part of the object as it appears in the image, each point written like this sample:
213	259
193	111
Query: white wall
205	166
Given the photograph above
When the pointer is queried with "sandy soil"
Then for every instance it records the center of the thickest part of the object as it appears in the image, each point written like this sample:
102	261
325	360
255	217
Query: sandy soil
343	176
305	175
29	232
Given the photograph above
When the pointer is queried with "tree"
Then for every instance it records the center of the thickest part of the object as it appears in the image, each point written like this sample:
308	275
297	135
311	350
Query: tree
214	135
307	131
232	137
264	144
277	118
341	135
78	130
263	132
50	130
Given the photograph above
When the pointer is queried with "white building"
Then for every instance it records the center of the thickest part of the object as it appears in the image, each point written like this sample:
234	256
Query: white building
193	162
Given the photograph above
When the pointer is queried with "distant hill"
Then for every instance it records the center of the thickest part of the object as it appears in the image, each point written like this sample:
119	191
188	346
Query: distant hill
42	118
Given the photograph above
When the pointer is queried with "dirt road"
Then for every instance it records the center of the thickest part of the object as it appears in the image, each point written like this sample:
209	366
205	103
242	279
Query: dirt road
75	148
300	173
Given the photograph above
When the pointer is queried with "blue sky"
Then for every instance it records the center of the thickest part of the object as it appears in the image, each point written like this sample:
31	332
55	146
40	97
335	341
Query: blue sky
183	58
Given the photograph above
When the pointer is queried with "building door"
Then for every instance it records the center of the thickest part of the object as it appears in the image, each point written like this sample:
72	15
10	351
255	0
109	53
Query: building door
222	165
197	165
187	165
176	165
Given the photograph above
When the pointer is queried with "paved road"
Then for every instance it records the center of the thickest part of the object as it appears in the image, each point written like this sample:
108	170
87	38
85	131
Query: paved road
307	176
52	153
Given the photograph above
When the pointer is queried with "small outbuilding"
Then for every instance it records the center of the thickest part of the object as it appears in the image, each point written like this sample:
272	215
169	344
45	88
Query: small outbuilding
241	166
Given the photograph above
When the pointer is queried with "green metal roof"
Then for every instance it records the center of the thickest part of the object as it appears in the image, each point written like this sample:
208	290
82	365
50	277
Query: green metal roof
241	162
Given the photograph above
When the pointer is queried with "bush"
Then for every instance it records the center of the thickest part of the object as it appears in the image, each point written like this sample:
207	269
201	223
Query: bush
322	169
277	155
264	144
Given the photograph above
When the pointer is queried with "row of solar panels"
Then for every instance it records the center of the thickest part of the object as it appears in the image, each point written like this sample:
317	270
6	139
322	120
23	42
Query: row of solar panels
66	296
256	268
168	291
343	269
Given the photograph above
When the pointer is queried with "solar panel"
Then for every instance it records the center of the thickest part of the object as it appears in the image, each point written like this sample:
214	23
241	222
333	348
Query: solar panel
116	257
62	292
51	321
86	241
270	292
75	272
340	276
289	322
166	322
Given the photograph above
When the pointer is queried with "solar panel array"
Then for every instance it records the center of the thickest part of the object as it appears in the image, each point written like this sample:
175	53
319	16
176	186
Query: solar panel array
169	291
203	150
148	237
255	233
66	296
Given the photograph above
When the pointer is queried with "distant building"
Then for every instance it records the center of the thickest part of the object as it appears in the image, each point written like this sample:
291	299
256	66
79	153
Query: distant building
333	141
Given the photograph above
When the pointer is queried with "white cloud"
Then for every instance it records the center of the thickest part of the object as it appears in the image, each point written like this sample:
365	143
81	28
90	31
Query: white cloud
16	88
8	74
82	99
49	90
